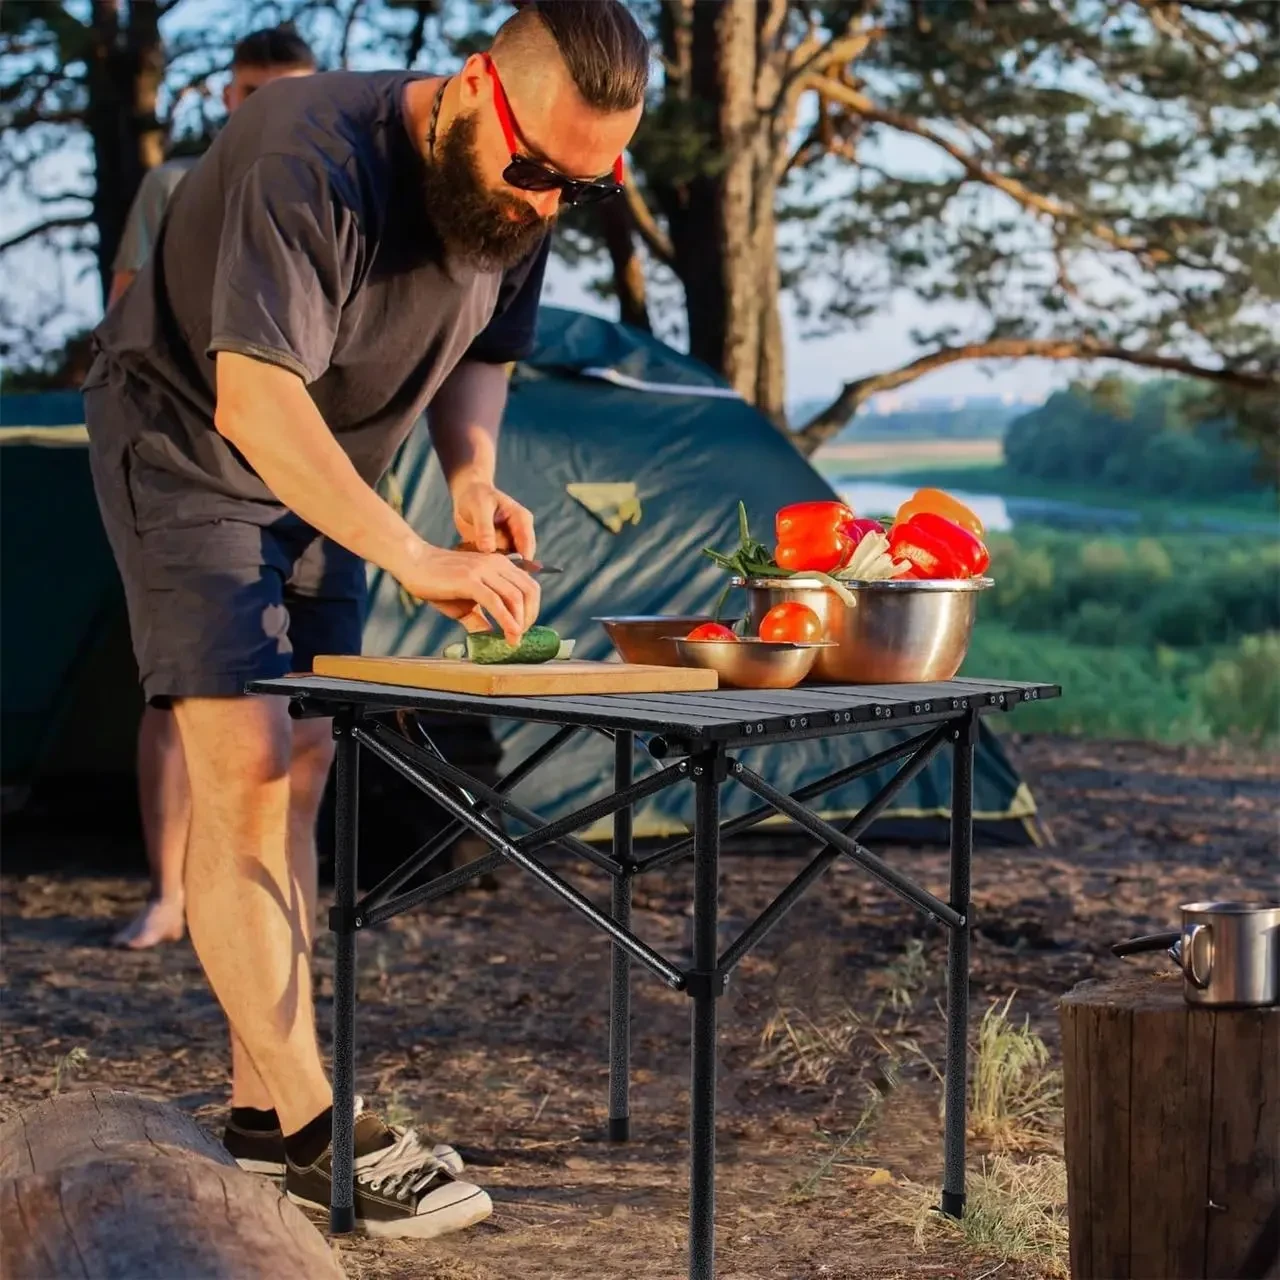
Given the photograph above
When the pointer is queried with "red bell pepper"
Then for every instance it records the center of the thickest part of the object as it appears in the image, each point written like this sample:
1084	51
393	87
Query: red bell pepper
812	536
937	547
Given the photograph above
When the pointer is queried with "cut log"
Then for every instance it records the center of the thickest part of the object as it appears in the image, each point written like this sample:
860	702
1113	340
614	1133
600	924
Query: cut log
1172	1132
107	1184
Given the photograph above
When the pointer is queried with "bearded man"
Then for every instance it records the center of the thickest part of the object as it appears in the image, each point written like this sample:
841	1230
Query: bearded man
355	248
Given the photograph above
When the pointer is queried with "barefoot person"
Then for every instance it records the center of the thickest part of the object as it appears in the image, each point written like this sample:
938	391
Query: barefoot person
163	796
354	248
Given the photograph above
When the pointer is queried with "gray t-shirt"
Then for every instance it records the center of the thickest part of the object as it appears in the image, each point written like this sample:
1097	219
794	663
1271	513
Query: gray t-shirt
304	241
147	211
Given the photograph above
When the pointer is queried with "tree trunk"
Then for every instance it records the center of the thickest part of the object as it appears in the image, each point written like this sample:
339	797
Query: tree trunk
110	1184
739	259
1172	1134
126	65
617	227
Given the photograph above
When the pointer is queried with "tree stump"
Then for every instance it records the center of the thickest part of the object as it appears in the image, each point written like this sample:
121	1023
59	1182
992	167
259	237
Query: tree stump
1172	1134
113	1186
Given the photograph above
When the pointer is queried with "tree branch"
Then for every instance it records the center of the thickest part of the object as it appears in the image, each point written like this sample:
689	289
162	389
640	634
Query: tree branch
647	226
980	172
53	224
833	419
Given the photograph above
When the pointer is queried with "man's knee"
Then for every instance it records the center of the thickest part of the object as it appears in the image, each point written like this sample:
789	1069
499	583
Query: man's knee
235	745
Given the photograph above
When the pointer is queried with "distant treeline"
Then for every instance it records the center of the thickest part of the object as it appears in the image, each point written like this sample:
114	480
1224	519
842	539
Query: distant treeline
1148	437
978	420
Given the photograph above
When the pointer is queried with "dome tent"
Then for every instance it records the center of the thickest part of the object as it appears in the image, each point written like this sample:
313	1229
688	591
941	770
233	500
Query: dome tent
601	405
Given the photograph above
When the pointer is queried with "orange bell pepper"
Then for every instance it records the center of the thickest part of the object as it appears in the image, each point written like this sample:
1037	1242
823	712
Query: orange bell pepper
940	504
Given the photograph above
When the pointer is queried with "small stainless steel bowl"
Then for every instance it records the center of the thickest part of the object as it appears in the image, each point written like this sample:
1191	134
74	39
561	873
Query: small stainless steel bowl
752	663
896	632
645	638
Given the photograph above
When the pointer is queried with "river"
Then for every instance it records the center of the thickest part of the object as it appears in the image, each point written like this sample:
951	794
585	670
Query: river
1000	513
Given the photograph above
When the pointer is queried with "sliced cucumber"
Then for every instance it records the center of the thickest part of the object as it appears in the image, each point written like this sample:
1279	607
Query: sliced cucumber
566	650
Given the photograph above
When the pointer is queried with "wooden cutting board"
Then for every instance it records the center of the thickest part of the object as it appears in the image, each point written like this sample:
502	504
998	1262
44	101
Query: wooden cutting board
515	679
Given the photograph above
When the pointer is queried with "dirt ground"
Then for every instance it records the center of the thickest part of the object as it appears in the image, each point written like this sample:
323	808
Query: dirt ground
485	1020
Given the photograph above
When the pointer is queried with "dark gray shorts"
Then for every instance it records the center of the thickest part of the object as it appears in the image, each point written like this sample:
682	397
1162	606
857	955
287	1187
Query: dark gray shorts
214	603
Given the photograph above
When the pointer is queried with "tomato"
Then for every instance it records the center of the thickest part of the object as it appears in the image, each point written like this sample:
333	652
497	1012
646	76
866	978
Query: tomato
791	623
711	631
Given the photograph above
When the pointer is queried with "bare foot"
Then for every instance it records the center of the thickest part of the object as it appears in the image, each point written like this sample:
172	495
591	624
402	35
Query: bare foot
161	920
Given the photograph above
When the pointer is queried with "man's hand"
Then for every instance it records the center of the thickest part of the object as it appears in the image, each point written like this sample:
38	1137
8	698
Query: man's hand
491	520
468	585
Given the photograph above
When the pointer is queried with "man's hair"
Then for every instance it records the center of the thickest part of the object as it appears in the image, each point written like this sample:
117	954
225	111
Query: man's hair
601	44
278	46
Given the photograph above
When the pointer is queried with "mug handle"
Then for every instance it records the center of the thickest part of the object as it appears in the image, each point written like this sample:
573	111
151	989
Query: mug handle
1190	968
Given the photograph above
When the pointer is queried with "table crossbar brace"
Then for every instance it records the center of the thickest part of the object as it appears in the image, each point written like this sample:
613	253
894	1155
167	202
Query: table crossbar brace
440	768
437	887
902	885
927	745
684	847
517	852
427	853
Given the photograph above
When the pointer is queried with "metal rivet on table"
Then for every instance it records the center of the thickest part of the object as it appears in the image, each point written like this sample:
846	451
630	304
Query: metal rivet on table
955	704
916	708
792	722
697	773
737	766
879	711
964	702
1002	699
928	706
750	729
848	715
759	728
804	722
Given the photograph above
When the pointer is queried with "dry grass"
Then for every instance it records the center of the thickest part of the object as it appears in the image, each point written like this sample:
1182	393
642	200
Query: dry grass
1016	1097
1016	1211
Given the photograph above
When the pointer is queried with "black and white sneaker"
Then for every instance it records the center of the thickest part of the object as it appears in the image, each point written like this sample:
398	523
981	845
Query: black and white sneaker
401	1187
262	1151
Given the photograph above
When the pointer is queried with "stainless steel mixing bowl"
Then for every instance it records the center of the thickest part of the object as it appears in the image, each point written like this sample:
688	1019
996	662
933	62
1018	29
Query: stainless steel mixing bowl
895	633
646	638
751	663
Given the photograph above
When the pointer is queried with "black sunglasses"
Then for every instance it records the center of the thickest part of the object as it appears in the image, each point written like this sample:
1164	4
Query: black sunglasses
527	174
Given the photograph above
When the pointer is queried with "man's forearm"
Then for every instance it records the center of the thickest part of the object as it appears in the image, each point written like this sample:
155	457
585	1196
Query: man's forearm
269	416
464	418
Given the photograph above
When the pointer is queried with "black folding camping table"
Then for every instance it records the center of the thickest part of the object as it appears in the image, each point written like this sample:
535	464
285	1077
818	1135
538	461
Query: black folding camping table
692	737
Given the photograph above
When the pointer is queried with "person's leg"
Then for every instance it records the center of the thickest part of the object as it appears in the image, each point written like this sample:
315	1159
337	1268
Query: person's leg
165	805
311	754
248	908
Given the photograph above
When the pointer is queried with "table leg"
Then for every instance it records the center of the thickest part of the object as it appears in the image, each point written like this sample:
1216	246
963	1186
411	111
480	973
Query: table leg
705	992
966	738
620	983
341	1210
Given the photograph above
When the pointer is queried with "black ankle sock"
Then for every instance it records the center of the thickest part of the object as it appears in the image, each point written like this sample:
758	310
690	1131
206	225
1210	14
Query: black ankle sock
306	1146
251	1120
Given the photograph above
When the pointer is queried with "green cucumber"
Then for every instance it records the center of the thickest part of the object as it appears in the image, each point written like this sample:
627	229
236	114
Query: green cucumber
457	651
538	644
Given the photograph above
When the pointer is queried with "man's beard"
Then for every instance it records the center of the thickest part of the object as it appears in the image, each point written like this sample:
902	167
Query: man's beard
489	230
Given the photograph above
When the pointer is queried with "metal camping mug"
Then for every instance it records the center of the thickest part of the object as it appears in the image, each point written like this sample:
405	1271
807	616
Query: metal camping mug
1230	953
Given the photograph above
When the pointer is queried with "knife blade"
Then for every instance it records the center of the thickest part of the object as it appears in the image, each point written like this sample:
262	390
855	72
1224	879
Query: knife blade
529	566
